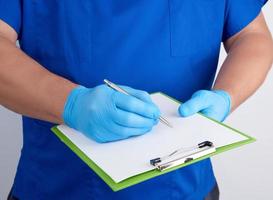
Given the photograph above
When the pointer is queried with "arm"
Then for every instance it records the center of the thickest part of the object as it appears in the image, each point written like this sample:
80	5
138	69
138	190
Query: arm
250	55
100	113
25	86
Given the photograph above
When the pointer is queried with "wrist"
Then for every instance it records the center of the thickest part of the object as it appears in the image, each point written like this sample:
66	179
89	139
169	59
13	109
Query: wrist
59	89
72	97
227	99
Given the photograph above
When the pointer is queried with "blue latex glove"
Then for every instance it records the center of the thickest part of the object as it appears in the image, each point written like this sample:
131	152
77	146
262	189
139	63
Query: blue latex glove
105	115
215	104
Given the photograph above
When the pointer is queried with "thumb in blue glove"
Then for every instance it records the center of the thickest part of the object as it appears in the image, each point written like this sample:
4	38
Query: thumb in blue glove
215	104
105	115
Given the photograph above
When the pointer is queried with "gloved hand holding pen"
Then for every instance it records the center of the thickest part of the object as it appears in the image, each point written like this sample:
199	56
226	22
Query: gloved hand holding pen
105	115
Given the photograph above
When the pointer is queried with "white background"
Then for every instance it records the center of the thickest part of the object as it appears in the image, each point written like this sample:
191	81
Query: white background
243	174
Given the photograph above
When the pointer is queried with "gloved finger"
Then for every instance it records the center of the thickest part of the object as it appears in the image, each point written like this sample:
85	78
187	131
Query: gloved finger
140	94
135	105
199	101
133	120
122	132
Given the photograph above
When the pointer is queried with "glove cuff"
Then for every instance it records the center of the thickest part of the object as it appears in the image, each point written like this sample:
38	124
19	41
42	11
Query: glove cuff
69	104
226	96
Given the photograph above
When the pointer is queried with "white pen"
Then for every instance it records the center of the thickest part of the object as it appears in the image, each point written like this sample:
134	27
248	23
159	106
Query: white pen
119	89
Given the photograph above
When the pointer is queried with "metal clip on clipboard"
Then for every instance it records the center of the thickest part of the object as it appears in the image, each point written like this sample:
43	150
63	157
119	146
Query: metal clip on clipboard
188	154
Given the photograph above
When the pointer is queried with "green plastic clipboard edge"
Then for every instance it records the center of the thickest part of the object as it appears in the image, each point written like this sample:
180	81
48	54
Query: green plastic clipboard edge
149	174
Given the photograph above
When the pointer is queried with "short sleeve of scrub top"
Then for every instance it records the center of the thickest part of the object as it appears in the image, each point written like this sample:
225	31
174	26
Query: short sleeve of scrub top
10	13
239	13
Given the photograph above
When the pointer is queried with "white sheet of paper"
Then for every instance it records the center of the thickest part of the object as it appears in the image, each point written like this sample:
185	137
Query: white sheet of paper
126	158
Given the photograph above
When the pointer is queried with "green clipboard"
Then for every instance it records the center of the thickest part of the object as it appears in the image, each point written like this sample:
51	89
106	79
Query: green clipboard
149	174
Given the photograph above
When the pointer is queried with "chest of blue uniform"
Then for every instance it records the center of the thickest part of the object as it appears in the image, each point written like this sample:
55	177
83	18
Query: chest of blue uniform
153	45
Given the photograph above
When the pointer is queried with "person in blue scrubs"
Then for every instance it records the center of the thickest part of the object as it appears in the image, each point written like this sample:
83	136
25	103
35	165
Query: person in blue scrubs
68	47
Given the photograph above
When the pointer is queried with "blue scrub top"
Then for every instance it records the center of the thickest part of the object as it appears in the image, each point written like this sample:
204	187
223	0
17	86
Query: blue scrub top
157	45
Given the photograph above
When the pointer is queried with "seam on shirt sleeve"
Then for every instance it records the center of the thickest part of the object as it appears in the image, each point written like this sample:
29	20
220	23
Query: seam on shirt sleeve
11	24
10	13
241	27
253	14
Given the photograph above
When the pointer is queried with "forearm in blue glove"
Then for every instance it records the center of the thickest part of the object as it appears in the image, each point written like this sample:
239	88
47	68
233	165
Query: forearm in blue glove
215	104
104	114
